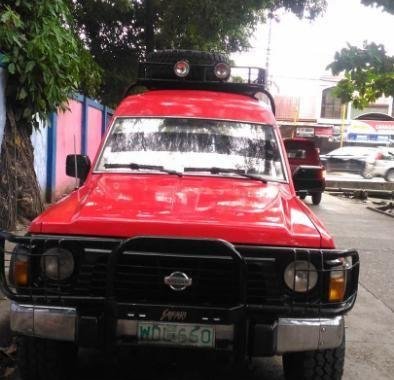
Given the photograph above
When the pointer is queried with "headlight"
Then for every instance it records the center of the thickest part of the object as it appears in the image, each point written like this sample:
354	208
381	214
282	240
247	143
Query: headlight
300	276
57	264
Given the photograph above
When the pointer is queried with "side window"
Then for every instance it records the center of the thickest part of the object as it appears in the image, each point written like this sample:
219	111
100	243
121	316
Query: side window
331	107
296	153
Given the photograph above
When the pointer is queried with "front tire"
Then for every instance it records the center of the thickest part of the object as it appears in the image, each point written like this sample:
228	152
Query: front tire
389	176
316	198
315	365
42	359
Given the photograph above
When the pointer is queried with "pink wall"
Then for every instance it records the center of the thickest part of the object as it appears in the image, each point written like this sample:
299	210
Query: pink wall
93	133
68	126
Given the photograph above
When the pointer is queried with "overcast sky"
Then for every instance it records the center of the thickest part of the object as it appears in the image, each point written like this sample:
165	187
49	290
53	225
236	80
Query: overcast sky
303	49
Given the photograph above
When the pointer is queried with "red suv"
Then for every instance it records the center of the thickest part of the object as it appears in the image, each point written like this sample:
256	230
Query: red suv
186	232
305	163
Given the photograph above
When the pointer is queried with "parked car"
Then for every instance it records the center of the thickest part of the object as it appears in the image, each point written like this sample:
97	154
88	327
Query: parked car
303	154
380	164
349	159
186	232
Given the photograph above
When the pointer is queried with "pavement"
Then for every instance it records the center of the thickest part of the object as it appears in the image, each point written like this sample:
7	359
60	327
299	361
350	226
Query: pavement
370	325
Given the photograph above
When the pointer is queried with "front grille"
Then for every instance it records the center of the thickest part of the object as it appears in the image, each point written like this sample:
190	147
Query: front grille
140	278
133	271
263	283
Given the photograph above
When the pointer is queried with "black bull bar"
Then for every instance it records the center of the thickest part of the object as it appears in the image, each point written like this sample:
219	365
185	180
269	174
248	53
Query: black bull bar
256	273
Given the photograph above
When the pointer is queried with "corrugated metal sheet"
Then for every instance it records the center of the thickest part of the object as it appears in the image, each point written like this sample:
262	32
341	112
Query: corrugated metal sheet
294	108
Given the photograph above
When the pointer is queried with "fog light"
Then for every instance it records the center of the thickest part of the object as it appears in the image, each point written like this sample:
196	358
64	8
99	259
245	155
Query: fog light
301	276
182	68
222	71
57	264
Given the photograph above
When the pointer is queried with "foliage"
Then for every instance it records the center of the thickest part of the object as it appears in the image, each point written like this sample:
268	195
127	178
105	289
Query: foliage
387	5
118	32
45	61
369	72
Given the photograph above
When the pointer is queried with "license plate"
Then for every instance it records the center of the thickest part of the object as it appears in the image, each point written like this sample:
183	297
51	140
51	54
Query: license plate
176	334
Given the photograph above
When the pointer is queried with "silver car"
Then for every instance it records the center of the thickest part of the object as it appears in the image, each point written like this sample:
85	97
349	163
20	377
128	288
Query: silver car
381	164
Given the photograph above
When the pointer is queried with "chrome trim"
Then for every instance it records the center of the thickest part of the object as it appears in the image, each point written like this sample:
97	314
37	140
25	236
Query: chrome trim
128	328
295	334
97	250
57	323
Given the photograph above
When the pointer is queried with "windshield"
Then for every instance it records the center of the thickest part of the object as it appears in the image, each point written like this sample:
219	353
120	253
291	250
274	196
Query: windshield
190	146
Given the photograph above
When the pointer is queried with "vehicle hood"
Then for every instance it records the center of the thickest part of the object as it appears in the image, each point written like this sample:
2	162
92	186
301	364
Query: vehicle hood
238	210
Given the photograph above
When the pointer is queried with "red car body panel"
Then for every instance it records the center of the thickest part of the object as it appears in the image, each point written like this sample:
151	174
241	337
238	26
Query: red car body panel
238	210
196	104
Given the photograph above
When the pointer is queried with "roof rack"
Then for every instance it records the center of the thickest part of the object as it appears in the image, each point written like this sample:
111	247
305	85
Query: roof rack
159	76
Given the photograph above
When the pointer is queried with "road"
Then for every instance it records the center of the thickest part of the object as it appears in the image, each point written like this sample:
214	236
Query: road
370	325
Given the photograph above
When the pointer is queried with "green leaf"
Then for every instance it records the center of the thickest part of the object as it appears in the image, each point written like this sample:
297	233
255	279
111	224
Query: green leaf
11	68
22	94
29	67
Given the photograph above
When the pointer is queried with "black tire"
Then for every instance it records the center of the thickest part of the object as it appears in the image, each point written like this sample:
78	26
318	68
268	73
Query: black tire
315	365
302	196
366	174
171	57
316	198
42	359
389	176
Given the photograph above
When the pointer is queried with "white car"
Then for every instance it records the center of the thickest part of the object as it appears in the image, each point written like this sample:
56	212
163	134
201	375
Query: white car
381	165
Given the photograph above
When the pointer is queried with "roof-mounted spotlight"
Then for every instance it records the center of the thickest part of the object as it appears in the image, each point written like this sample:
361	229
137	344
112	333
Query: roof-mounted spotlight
222	71
182	68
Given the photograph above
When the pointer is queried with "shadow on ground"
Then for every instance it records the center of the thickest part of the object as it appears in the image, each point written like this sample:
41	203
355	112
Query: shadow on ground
166	365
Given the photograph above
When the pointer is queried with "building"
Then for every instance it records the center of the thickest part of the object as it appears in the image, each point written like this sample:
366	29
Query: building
316	113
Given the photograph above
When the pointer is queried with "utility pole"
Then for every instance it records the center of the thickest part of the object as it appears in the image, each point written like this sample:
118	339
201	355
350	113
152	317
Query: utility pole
268	54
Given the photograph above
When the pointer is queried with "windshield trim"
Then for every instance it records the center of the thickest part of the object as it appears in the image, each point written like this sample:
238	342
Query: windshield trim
116	118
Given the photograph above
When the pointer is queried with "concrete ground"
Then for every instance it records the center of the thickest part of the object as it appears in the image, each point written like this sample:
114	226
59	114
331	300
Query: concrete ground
370	325
370	333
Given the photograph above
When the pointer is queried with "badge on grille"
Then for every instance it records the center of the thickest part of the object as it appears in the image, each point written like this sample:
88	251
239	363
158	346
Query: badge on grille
178	281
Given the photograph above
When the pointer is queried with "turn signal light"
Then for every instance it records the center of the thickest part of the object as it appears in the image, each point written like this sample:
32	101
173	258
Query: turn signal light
21	271
337	286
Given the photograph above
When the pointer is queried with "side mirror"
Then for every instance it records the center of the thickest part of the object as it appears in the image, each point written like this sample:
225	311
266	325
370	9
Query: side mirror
309	178
78	165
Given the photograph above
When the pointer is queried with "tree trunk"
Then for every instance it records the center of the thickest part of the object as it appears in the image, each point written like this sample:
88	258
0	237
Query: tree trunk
19	190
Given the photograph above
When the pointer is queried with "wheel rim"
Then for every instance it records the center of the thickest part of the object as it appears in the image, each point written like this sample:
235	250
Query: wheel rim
390	176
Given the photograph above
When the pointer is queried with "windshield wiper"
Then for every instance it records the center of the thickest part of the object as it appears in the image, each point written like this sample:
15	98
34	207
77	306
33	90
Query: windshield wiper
216	170
135	166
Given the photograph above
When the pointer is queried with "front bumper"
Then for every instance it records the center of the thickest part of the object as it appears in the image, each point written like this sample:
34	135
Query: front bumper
281	336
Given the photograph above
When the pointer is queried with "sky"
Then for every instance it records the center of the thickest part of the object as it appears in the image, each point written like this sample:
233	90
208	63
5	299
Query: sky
302	49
